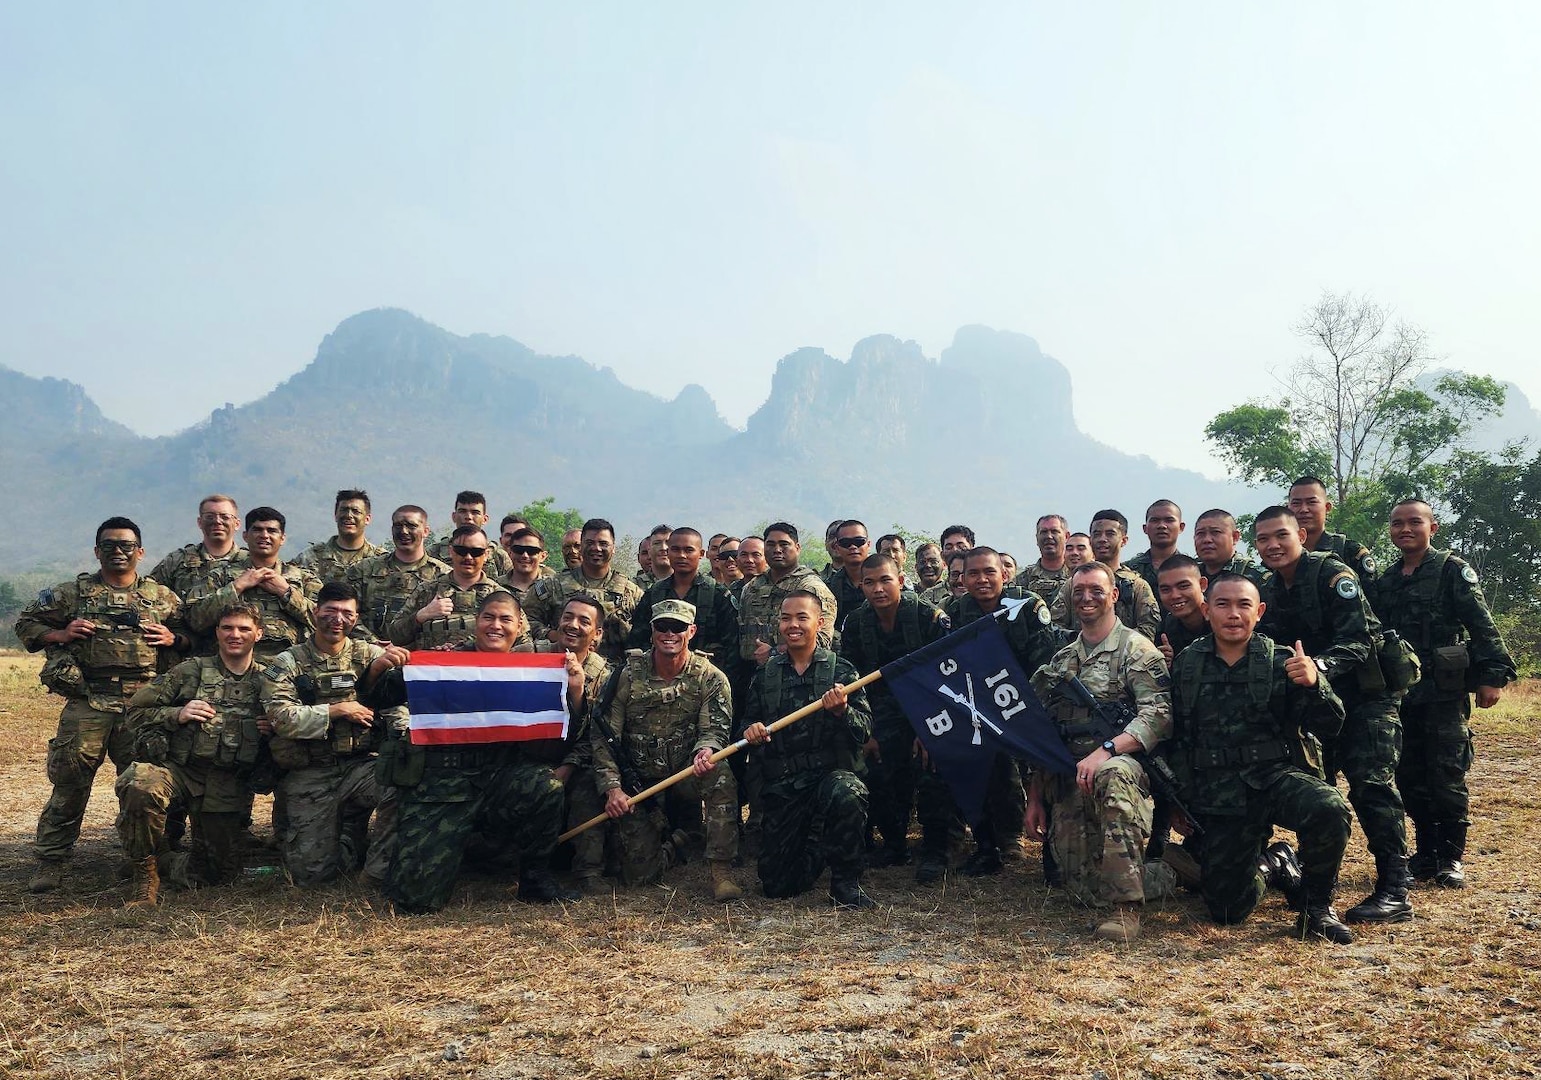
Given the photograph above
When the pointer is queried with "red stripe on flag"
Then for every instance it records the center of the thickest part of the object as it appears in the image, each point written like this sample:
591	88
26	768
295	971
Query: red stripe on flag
490	659
461	736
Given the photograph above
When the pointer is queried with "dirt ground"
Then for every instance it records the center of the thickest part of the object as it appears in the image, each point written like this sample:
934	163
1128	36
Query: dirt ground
975	979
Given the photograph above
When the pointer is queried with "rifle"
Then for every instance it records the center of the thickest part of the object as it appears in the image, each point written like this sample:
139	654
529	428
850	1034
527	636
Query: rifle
1107	720
625	764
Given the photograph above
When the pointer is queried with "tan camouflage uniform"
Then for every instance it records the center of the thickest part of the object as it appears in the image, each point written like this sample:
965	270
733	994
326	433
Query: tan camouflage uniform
1136	605
759	610
385	584
445	631
1100	839
285	620
499	564
330	561
616	593
1046	583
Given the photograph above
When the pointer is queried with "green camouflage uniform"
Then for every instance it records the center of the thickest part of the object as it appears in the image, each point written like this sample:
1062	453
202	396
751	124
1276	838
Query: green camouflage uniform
617	594
1177	635
938	594
577	750
1326	610
499	563
1099	840
192	565
662	723
330	561
1135	606
330	765
1144	564
716	620
106	669
1439	608
198	765
385	584
814	805
445	631
521	591
1358	557
848	597
1237	564
1242	753
1046	583
893	776
285	620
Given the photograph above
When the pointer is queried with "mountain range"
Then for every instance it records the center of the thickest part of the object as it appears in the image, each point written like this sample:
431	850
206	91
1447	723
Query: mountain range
984	434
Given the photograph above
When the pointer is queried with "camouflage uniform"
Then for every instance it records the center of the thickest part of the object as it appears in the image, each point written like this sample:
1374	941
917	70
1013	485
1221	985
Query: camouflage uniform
1326	610
285	620
938	594
1440	609
108	668
759	609
892	777
848	596
1033	643
1358	557
616	594
198	765
331	764
577	750
644	579
385	584
445	631
499	563
1236	564
1144	564
814	805
330	561
1177	635
716	620
521	591
192	565
1240	750
662	723
1046	583
1099	840
1135	606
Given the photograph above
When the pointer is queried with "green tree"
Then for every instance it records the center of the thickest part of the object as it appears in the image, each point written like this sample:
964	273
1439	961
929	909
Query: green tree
10	600
1495	523
550	522
1357	412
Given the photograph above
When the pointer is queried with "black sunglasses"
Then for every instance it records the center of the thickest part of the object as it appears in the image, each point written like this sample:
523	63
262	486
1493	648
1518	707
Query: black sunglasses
524	549
670	626
468	552
125	546
852	542
726	555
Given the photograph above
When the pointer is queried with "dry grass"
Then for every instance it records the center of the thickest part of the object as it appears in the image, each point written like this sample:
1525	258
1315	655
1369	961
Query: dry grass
979	980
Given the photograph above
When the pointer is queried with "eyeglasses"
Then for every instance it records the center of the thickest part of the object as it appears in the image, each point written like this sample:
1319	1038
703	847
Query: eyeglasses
127	547
524	549
726	555
215	519
670	626
349	512
468	552
852	542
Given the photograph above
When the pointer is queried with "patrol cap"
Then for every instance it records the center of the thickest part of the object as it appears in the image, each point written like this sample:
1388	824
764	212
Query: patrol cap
677	610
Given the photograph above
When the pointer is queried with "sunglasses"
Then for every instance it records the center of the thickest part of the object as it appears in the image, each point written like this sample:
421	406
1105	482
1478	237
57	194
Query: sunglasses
726	555
670	626
852	542
524	549
127	547
468	552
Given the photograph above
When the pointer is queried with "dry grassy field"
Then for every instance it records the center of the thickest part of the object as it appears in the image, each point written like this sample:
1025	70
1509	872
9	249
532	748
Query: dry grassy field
980	979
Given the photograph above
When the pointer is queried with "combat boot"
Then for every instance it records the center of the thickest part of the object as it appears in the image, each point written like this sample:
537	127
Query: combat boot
1388	903
1122	925
931	868
590	883
1051	875
1423	865
985	861
145	888
1281	870
537	886
850	895
1448	871
1184	865
48	876
724	888
1317	919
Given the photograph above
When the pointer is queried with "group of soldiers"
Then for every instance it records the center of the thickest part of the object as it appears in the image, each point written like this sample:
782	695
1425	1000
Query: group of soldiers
1246	687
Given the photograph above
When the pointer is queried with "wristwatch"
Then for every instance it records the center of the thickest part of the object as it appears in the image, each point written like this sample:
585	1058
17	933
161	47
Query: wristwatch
1108	746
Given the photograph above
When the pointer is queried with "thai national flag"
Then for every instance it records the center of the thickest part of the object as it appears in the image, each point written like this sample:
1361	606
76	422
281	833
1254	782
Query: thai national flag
482	697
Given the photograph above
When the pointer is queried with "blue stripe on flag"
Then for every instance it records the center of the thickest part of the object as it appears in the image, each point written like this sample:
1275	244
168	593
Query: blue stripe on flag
485	697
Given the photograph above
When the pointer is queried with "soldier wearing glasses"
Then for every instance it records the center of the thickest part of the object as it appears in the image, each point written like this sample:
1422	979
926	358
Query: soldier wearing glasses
105	633
441	614
209	560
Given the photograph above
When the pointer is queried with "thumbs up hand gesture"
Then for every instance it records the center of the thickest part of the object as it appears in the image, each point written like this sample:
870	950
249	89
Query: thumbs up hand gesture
1300	668
1166	650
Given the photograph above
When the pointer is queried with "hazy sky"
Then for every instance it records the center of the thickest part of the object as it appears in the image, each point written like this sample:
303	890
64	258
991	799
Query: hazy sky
195	194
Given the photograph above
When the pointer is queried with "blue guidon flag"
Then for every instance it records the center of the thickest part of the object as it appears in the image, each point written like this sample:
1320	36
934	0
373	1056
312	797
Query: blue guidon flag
484	697
968	700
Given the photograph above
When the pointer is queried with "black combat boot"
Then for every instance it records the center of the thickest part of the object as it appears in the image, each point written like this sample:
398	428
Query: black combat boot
537	886
1317	919
1448	871
1051	875
932	866
1388	903
847	893
1281	870
1422	864
984	861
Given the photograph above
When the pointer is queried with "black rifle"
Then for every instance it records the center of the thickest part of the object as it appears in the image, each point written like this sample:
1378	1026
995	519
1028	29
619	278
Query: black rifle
625	764
1107	720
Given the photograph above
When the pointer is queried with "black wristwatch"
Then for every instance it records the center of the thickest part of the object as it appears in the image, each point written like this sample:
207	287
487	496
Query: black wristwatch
1108	746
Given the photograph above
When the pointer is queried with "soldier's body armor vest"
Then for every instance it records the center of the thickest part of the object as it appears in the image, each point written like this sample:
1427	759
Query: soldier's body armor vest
230	739
326	680
808	745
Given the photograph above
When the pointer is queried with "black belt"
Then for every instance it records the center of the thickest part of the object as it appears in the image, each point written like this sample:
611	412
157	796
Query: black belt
781	765
1224	757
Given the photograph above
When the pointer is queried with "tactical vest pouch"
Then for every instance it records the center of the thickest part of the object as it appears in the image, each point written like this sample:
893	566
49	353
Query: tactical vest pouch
289	753
1451	666
1398	662
1369	677
1306	754
61	674
400	764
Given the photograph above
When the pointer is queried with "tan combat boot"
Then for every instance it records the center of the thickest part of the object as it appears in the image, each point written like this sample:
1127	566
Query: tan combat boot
145	888
48	877
723	885
1122	925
